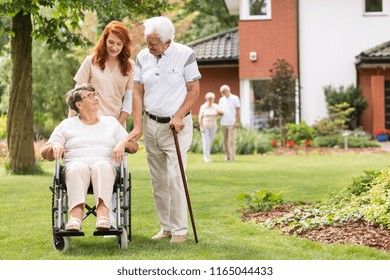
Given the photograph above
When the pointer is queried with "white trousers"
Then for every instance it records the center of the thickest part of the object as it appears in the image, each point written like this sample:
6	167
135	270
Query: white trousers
207	139
168	191
78	176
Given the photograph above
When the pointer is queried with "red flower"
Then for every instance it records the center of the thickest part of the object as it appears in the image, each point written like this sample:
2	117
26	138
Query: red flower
308	143
380	131
274	143
290	143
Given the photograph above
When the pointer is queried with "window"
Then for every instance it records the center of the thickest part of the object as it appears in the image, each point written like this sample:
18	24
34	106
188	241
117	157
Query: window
373	6
261	114
258	8
387	104
255	10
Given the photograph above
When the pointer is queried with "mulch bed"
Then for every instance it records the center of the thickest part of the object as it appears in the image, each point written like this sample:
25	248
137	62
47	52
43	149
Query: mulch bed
356	232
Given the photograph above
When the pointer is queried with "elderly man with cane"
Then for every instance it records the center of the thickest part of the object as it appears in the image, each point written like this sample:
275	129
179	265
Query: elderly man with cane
166	85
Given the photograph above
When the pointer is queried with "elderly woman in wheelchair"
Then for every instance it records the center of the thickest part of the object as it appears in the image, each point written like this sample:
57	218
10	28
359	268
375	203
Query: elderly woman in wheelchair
92	146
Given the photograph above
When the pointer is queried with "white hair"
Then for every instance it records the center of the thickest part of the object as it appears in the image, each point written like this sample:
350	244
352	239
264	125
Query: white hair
162	26
225	87
209	95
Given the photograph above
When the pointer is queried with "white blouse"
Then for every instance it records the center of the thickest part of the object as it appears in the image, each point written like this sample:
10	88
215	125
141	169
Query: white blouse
88	143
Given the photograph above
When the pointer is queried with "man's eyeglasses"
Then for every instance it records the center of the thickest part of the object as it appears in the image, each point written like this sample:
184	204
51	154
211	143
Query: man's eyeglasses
91	95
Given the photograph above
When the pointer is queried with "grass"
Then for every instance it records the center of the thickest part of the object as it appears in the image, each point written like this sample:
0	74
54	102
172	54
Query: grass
25	215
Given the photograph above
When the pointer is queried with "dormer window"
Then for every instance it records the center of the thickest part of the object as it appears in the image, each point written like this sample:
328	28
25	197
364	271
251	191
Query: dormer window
255	10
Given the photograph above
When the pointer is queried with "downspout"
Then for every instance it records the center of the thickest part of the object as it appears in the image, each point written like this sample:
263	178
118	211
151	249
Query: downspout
299	69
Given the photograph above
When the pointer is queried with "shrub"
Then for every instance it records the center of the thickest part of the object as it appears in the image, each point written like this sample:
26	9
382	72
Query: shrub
367	199
300	133
262	200
248	141
354	141
362	183
325	127
326	141
352	96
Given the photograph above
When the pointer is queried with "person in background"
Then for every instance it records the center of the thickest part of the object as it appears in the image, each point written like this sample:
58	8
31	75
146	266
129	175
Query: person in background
166	85
208	114
229	108
110	70
92	147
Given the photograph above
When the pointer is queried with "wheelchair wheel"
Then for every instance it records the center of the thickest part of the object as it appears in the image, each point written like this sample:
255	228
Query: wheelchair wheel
123	242
61	243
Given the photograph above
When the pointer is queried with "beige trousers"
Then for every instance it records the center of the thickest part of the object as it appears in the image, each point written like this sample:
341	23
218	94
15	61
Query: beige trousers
229	141
78	176
168	191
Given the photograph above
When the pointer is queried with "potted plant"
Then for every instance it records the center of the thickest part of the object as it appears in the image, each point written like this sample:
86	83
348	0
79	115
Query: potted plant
381	135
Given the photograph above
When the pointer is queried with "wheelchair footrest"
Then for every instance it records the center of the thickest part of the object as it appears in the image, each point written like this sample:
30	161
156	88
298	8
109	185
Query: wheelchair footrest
69	233
113	231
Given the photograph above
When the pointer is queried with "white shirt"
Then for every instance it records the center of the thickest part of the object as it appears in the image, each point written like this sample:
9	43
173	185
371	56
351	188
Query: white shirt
229	107
209	115
165	78
88	143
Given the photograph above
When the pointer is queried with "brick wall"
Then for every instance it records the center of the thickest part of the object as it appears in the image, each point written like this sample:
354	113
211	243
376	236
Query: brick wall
212	79
271	39
372	82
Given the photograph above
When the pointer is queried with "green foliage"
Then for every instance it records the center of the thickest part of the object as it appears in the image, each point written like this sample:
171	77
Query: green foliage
299	133
340	114
350	95
280	93
354	141
259	200
248	142
56	21
362	183
5	80
49	104
209	17
326	141
367	198
3	127
326	127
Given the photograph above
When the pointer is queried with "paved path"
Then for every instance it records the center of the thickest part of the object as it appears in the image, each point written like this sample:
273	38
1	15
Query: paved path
385	146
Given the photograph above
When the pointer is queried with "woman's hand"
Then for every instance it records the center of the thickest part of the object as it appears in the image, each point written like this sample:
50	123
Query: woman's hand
58	151
119	152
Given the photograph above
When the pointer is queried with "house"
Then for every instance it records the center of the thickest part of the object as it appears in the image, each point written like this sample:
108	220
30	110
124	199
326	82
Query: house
328	42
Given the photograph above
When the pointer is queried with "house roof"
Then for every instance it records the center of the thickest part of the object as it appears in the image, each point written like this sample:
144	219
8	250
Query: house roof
376	56
217	49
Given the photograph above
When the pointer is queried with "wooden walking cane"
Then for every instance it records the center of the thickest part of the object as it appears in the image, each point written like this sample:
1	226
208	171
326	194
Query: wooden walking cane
183	176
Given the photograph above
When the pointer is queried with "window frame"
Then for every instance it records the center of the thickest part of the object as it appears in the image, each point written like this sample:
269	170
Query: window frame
366	13
245	11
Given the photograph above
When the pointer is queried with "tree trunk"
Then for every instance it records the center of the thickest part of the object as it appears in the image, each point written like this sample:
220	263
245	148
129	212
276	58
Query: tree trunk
20	133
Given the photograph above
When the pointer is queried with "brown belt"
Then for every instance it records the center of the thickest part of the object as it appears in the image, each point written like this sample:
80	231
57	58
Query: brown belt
161	119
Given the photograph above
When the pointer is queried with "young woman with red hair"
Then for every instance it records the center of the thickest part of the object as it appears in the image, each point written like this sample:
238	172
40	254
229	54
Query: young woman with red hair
110	71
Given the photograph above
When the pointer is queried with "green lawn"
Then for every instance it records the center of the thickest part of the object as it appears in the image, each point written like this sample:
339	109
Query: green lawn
25	215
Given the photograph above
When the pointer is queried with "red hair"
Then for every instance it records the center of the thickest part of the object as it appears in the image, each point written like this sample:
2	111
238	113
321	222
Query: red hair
100	52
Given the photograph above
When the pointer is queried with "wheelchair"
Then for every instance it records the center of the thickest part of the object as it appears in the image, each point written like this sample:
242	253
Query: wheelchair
122	210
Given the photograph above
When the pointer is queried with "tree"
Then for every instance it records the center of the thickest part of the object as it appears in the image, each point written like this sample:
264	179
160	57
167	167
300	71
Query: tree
352	96
31	20
202	18
280	93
